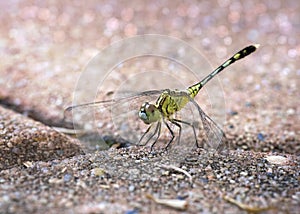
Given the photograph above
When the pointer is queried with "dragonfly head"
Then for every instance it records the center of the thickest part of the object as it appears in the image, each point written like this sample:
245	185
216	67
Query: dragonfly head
148	113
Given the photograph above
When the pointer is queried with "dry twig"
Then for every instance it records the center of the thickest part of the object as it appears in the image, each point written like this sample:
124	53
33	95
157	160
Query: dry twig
178	170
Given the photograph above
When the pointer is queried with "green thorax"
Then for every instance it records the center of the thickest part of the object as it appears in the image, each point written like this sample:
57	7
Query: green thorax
169	102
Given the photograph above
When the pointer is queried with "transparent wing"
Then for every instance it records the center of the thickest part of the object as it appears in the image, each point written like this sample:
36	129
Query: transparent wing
115	117
212	133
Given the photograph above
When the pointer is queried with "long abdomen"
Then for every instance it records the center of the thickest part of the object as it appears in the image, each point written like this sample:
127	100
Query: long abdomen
194	89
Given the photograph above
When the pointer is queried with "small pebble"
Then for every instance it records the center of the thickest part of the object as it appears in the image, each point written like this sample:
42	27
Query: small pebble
261	137
98	172
290	111
244	173
131	212
276	159
67	177
131	188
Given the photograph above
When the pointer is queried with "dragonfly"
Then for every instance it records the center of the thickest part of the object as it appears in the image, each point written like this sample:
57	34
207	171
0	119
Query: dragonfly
168	104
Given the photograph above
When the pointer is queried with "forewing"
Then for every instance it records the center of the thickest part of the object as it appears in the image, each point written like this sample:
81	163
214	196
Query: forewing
115	117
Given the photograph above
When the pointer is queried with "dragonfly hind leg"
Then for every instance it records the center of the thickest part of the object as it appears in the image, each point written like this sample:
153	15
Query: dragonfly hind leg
171	132
176	122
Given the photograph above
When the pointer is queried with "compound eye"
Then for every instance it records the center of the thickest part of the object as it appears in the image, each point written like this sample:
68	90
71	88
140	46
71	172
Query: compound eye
143	111
143	115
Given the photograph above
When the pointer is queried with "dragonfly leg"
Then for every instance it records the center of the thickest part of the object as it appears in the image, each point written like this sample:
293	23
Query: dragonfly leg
148	129
175	122
189	124
157	130
172	133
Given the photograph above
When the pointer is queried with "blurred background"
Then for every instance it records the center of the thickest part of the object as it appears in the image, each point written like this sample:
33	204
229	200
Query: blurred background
44	46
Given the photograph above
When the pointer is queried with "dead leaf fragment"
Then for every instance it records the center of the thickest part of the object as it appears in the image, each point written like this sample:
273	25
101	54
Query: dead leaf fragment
28	164
247	208
173	203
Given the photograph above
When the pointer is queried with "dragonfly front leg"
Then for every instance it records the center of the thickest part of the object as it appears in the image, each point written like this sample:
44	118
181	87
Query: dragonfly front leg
157	130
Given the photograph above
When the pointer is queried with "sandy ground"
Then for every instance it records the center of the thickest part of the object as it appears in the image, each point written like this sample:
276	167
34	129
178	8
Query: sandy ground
44	48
